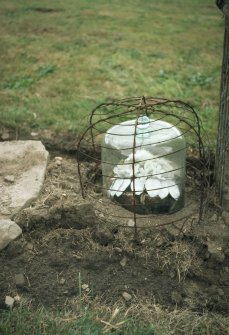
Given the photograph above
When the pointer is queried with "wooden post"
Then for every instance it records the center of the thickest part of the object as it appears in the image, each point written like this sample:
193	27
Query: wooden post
222	150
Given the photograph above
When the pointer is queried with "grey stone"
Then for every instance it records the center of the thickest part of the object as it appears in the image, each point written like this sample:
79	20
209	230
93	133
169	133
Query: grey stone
84	286
62	281
9	230
9	301
123	262
130	223
58	160
30	246
22	171
127	296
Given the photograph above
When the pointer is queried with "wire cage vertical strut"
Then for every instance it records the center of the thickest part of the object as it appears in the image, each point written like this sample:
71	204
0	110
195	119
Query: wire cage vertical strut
147	158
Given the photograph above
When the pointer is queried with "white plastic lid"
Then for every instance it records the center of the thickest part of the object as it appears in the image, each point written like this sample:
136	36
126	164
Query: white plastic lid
146	132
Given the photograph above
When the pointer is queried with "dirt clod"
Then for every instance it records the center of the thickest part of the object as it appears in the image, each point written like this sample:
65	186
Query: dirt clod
216	253
103	235
176	297
19	279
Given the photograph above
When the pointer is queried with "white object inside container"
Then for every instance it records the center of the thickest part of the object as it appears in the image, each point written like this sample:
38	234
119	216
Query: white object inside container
145	159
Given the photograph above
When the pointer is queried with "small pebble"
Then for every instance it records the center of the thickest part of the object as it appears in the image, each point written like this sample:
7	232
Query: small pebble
62	281
9	301
85	286
30	246
127	296
123	262
131	223
58	158
9	178
33	134
17	298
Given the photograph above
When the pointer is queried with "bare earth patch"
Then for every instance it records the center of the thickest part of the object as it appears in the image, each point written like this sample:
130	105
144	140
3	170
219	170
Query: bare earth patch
64	237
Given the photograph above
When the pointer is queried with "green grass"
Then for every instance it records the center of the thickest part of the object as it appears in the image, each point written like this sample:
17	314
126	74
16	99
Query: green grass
60	59
97	320
48	324
24	321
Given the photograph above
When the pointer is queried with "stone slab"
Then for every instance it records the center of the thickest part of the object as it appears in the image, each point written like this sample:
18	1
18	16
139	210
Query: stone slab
22	171
9	230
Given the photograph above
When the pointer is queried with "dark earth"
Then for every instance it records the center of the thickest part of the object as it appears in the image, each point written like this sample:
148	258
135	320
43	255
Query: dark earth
69	241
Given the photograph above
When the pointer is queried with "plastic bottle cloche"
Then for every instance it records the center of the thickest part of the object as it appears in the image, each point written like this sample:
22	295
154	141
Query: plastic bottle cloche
143	166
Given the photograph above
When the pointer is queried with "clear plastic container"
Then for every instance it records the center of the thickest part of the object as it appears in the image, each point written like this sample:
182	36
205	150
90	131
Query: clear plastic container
143	166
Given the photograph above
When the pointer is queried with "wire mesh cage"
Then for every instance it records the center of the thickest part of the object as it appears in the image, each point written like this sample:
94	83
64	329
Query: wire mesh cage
147	160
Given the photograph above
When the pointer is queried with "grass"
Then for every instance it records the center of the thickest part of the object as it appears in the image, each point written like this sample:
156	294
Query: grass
94	318
86	324
59	60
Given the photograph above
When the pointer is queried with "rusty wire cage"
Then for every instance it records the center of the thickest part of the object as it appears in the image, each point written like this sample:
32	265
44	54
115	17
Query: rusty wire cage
147	162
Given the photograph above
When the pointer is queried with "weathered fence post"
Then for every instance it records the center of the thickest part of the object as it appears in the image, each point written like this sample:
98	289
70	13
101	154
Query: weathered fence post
222	151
